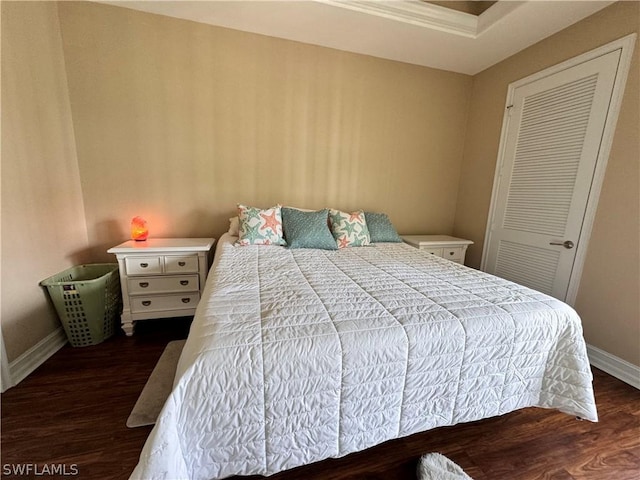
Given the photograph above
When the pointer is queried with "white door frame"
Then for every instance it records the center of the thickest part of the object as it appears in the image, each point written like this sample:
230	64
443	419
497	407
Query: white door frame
625	44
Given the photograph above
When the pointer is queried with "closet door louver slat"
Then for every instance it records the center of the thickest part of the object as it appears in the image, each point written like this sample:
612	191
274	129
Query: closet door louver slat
531	266
542	183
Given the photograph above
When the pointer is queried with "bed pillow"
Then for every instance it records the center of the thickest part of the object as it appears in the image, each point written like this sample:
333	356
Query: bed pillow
349	229
234	226
260	227
307	229
380	228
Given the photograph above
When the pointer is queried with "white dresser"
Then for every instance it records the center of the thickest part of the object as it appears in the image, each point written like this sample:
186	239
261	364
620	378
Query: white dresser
445	246
161	277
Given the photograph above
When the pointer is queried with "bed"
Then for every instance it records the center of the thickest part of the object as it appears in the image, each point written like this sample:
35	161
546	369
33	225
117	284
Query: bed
298	355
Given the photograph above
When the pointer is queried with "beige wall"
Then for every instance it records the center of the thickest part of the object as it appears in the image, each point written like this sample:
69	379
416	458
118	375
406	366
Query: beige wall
43	227
608	297
178	121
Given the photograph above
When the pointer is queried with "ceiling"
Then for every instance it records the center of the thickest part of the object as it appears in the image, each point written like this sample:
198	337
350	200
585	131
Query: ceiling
411	31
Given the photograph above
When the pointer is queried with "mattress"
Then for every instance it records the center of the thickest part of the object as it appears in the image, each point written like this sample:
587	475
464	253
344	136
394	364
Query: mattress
297	355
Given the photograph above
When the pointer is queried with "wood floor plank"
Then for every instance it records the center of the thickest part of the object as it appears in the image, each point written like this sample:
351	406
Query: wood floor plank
73	410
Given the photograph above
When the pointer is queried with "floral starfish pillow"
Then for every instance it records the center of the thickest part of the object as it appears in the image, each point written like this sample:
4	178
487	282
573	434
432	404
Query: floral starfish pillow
349	229
260	227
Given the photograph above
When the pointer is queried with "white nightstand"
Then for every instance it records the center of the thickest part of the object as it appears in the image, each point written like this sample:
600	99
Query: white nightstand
161	277
444	246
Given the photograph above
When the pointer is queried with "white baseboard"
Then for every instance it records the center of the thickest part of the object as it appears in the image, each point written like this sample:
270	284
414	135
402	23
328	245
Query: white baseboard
615	366
26	363
5	378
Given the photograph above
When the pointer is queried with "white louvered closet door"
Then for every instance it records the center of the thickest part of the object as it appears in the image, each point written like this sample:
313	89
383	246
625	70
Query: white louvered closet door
554	132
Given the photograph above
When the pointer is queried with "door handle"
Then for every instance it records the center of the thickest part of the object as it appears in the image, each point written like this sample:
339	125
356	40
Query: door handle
568	244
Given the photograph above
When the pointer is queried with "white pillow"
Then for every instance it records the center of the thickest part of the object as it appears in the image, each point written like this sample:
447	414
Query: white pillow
260	226
234	226
349	228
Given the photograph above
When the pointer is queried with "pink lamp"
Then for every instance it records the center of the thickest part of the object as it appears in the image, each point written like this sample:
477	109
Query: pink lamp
139	229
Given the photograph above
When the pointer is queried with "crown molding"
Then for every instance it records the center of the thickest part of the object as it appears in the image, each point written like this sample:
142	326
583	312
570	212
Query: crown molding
415	12
426	15
496	14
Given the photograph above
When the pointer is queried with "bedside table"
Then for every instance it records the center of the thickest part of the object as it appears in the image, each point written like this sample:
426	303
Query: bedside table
161	277
444	246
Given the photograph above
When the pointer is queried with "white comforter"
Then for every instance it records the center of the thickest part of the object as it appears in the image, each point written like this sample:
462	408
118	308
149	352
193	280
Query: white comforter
299	355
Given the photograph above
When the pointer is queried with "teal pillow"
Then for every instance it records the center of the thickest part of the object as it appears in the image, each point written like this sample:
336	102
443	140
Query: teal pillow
380	228
307	229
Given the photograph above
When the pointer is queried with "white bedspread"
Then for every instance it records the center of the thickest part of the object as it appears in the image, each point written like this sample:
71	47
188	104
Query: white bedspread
299	355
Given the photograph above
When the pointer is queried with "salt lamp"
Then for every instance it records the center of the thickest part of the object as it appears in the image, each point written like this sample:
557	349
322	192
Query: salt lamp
139	229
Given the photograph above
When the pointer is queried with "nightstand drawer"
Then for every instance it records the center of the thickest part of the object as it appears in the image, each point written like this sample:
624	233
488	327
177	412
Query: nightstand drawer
158	303
143	265
181	264
169	284
433	251
453	253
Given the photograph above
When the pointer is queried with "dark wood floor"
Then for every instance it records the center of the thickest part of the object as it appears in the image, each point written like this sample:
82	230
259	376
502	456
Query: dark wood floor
73	409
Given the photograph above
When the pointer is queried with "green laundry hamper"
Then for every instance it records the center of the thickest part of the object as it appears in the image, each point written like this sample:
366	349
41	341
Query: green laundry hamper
87	300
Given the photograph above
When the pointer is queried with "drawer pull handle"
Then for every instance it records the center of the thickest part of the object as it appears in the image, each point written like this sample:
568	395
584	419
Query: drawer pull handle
182	264
144	284
146	303
144	265
451	253
184	282
186	300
